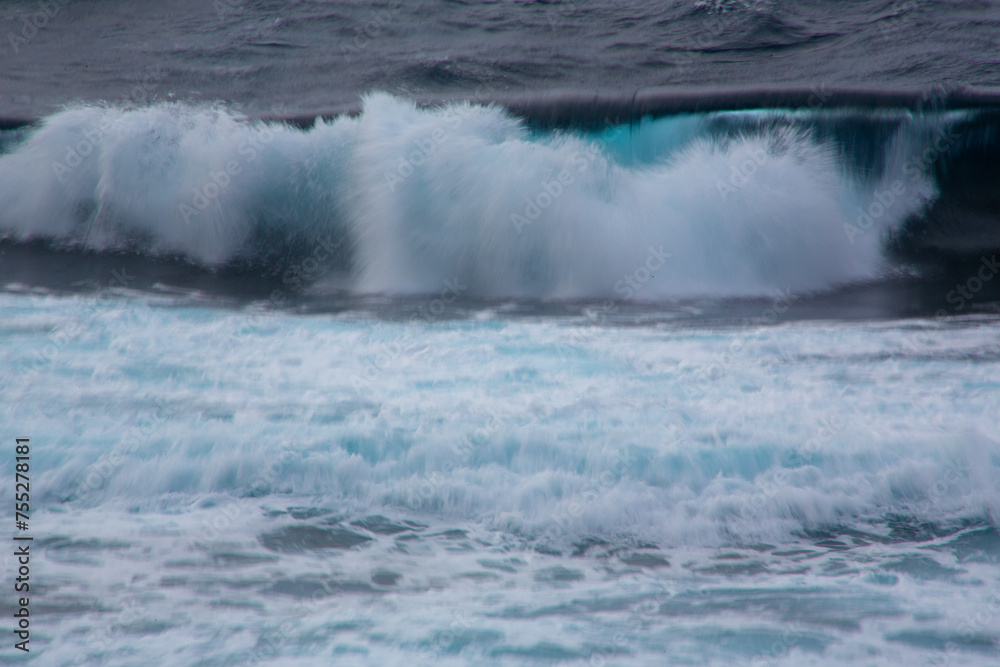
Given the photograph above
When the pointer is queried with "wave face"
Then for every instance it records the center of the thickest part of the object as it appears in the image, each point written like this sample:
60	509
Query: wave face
399	200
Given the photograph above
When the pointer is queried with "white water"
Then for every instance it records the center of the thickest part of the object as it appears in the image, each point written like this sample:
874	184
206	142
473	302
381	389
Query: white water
172	444
465	194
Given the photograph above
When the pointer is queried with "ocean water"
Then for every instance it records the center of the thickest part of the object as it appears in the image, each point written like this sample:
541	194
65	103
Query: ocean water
449	333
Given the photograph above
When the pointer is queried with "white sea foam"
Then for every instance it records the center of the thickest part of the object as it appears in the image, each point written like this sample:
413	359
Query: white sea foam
681	438
176	450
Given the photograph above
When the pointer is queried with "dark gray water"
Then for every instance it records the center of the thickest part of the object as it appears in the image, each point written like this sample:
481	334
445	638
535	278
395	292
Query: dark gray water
268	57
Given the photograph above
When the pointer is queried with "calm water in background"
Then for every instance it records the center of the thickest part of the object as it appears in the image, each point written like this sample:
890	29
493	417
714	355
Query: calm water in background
315	55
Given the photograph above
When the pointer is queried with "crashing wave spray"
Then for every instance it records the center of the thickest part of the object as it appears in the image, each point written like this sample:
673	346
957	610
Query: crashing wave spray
663	209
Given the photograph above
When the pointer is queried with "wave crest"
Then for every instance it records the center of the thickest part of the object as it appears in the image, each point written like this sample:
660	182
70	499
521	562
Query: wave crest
665	208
